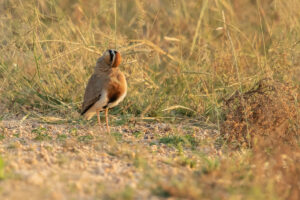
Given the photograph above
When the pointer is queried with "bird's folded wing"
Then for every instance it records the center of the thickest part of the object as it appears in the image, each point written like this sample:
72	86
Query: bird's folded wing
92	92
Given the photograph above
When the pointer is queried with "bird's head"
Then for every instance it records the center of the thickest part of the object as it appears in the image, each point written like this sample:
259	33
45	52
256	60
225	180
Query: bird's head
110	59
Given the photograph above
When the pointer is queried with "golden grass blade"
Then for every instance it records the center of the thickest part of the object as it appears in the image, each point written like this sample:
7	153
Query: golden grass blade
171	39
157	49
177	107
204	5
115	12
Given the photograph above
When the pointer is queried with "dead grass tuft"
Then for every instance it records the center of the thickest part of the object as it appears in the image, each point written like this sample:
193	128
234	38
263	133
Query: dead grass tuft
267	111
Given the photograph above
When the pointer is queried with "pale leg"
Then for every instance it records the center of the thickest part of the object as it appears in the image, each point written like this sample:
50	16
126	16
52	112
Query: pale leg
106	118
98	117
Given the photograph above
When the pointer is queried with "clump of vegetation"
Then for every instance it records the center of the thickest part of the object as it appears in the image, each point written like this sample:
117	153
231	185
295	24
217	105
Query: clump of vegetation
268	111
178	141
117	136
41	134
2	169
2	137
61	137
177	189
85	138
137	134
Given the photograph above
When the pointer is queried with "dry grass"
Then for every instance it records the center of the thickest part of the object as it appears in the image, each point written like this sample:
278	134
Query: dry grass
268	111
171	56
233	66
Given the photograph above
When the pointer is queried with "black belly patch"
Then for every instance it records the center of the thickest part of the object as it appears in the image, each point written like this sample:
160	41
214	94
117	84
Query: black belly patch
112	99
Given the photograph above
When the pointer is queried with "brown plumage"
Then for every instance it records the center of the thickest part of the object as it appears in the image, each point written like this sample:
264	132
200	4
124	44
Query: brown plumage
106	88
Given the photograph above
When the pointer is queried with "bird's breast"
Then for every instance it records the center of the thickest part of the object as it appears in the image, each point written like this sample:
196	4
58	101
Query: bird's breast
116	90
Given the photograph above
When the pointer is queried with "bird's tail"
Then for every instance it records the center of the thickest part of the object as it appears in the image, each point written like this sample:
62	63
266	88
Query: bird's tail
88	115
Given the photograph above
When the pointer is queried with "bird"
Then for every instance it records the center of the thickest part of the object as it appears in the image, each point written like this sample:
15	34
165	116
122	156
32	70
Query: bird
106	88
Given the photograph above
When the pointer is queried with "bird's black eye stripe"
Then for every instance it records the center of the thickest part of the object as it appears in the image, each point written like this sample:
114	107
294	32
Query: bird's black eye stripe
112	55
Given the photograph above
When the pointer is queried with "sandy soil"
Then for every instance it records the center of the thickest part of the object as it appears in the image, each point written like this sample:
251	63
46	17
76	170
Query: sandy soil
51	161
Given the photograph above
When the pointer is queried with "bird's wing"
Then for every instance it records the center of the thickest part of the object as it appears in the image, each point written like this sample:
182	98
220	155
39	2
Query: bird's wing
92	92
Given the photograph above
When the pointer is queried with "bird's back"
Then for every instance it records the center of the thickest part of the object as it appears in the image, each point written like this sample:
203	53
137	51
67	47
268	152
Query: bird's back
93	91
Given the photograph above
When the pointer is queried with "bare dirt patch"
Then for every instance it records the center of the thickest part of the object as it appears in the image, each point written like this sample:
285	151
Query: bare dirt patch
45	161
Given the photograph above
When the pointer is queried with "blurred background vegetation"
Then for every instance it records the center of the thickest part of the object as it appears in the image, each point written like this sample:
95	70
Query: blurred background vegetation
181	58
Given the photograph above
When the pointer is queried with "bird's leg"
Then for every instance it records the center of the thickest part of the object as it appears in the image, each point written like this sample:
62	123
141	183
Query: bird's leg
98	117
106	118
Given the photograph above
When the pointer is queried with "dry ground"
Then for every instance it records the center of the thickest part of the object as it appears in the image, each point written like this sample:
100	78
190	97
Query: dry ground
45	161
